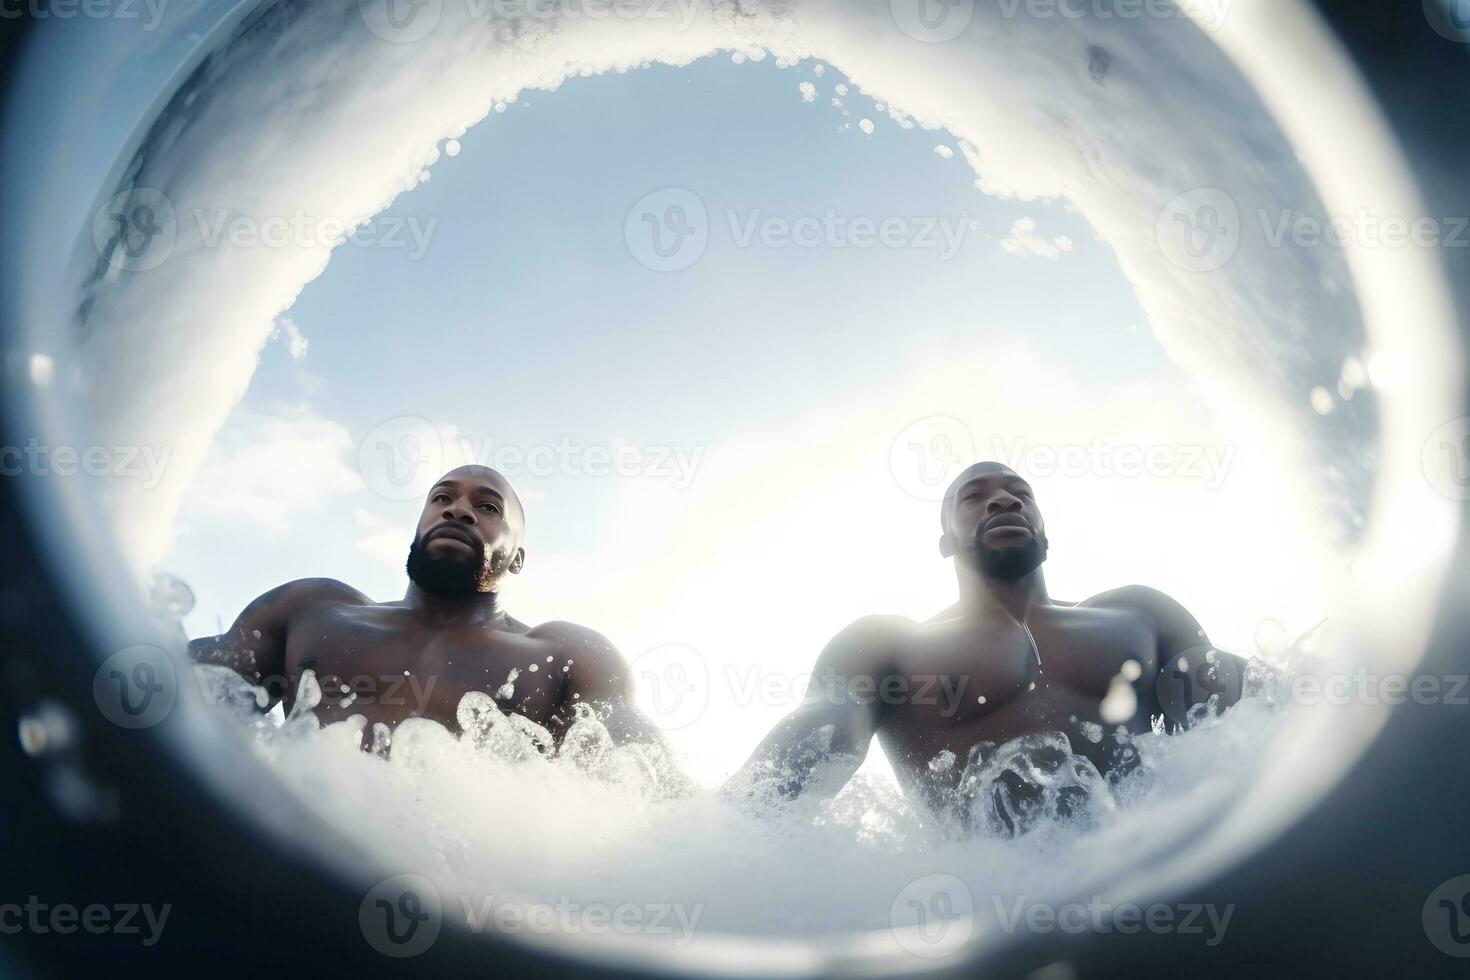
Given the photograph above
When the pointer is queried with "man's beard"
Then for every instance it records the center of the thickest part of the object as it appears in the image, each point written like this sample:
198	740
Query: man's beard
450	577
1010	564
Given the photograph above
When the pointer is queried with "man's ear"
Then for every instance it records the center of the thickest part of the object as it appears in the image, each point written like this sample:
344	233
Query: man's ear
518	562
947	545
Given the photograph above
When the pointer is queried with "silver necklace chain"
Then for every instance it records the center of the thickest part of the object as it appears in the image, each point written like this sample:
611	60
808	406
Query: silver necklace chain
1034	647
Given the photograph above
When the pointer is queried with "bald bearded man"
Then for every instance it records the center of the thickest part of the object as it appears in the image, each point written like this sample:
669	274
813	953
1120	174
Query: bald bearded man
999	678
447	637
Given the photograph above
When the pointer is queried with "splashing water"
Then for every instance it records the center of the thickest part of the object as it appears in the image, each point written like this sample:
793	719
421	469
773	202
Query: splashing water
499	813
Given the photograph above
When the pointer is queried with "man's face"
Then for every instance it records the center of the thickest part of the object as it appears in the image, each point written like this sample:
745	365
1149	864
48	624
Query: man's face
995	526
469	534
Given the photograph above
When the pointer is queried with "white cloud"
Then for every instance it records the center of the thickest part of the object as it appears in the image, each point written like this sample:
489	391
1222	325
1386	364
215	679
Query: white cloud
1025	242
271	467
381	541
296	342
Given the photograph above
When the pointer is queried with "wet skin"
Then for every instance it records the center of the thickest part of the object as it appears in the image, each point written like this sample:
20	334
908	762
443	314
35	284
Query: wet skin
917	687
417	657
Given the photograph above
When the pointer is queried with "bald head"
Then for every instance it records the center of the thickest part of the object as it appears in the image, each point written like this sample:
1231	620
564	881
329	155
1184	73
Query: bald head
488	481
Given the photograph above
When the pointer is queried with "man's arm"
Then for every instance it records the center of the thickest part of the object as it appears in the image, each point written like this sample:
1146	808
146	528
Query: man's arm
818	747
599	678
1191	669
255	646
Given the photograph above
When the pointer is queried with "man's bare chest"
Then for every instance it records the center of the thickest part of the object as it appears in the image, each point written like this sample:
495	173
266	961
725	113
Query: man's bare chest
994	679
386	664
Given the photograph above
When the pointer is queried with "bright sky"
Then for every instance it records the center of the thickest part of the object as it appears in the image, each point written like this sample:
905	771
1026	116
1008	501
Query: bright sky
815	395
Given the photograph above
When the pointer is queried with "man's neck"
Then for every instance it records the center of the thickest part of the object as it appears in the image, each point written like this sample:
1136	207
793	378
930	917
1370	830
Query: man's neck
481	607
1017	597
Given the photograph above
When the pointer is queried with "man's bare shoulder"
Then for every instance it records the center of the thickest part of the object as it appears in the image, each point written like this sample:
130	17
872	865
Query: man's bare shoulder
870	643
595	669
1135	598
573	639
307	592
1164	613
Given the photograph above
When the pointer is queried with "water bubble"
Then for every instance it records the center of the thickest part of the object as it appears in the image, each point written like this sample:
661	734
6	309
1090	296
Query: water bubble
1121	702
171	596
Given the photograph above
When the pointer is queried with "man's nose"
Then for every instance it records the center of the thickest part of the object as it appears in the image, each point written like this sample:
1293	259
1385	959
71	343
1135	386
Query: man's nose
1002	502
460	515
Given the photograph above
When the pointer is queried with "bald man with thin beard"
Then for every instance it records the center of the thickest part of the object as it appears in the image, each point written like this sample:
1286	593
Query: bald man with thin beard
1005	662
447	637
